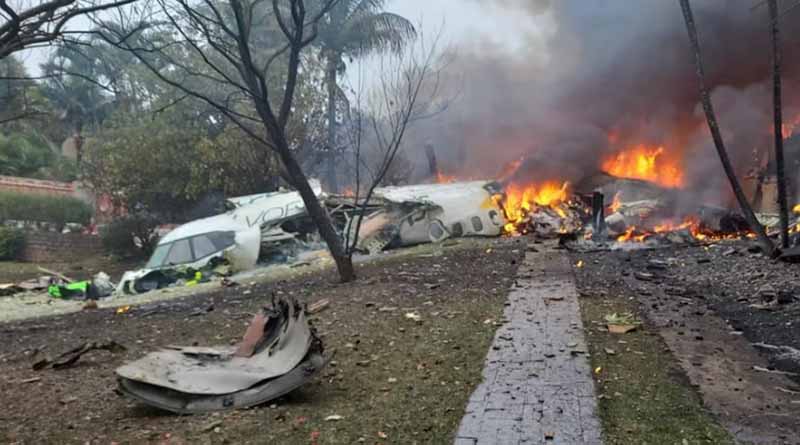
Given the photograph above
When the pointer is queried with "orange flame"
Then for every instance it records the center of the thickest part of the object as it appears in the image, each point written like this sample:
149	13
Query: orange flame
442	178
693	225
788	128
616	204
520	200
649	164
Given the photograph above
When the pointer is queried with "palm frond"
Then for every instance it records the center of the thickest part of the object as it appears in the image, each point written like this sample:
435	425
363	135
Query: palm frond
376	33
363	8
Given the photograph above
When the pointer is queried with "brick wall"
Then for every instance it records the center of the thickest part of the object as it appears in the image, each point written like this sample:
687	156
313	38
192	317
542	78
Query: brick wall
104	209
38	186
43	246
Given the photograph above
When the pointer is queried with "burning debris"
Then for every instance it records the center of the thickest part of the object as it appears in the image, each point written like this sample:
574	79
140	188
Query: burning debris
546	210
279	353
641	213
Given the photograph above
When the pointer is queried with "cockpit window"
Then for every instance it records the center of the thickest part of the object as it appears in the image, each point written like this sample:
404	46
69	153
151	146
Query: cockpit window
157	258
203	247
182	252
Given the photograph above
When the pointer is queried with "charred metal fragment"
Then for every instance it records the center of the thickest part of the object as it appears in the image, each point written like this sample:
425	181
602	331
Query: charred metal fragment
279	353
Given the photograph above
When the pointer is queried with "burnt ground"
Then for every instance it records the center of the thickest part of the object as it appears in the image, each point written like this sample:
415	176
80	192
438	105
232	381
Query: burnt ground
709	304
392	379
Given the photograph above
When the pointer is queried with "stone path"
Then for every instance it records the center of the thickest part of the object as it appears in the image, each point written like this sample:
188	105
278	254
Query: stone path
537	386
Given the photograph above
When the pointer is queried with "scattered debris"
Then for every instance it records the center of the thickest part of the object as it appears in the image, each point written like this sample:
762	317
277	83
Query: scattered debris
56	274
774	371
784	357
414	316
621	329
31	380
9	289
102	286
279	353
318	306
70	357
621	323
211	426
787	391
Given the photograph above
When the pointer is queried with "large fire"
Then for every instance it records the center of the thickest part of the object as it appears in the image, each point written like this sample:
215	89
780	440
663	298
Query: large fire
520	200
646	163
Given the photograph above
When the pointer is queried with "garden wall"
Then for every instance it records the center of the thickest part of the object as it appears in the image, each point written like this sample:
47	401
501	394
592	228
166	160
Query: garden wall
43	246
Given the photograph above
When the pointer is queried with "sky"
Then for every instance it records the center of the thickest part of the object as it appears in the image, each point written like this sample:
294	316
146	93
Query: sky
465	24
471	23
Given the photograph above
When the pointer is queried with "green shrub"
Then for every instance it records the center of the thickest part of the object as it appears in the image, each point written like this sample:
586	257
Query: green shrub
52	209
11	242
120	236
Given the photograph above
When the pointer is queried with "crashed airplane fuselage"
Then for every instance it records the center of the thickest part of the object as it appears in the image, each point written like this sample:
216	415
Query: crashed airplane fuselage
395	216
416	214
235	237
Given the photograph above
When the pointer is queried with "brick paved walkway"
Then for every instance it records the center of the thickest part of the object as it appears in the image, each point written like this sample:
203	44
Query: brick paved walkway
537	386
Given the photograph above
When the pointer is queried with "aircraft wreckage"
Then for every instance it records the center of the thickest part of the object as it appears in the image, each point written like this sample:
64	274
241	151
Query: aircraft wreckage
259	225
278	353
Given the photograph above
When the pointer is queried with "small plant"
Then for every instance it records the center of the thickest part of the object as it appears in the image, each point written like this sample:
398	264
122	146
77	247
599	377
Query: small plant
133	236
11	242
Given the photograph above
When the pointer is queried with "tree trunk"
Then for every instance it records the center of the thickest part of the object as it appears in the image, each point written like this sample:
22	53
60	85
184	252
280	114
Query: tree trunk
433	166
330	80
780	171
752	221
318	214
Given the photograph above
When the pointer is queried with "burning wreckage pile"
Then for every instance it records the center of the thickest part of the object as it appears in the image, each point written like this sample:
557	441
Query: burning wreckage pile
587	221
635	202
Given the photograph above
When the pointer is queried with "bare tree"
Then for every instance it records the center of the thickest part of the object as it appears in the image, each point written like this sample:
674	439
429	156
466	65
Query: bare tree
408	90
778	121
236	73
705	97
28	25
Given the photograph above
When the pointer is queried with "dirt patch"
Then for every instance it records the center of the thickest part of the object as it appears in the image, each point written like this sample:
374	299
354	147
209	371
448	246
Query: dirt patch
79	269
701	300
390	376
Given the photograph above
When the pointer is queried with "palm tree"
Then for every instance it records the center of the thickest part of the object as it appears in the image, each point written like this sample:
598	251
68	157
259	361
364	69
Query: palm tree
353	28
73	87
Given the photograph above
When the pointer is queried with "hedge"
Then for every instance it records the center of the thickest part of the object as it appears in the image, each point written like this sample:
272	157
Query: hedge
120	236
11	242
59	210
